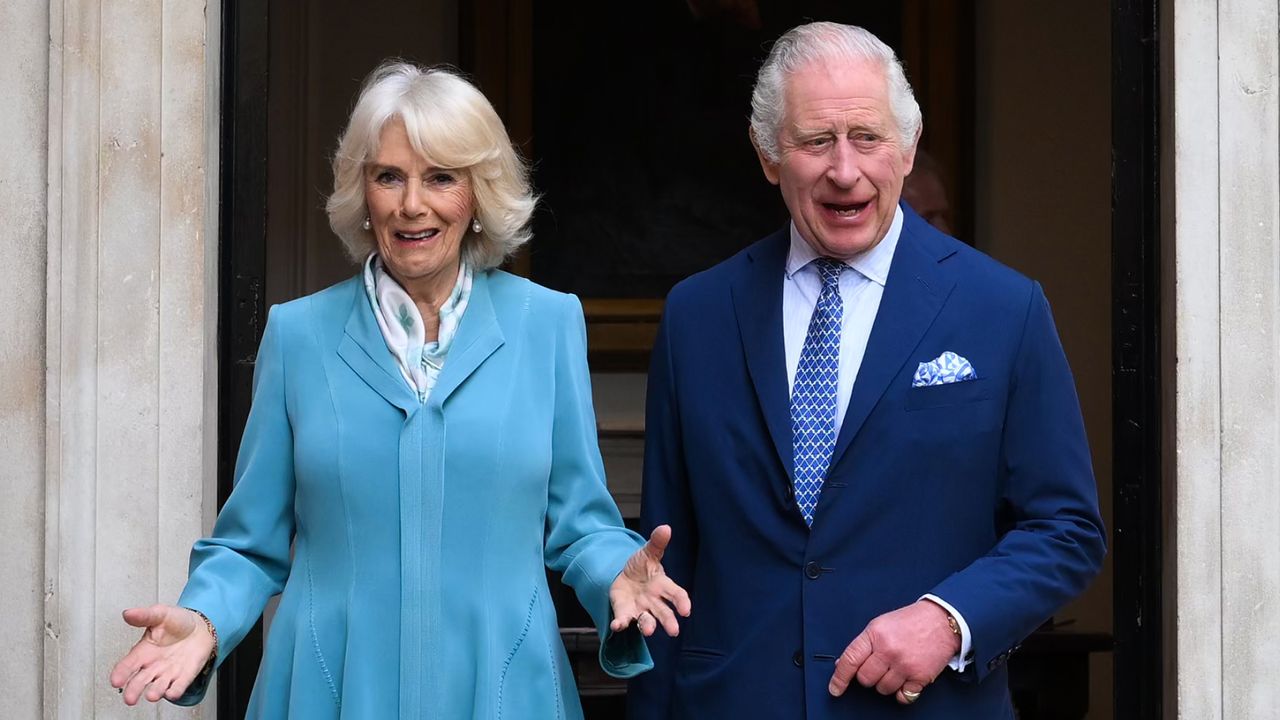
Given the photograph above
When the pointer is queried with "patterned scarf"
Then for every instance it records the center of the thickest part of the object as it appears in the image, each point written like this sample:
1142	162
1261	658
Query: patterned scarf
419	361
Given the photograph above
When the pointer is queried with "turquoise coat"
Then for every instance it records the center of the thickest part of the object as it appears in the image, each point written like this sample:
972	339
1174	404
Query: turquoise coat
419	532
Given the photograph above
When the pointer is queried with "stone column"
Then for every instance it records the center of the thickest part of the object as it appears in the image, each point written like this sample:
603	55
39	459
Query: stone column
24	78
1223	217
131	350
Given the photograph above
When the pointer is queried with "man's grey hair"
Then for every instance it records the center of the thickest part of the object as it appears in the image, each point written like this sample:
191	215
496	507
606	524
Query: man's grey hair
819	41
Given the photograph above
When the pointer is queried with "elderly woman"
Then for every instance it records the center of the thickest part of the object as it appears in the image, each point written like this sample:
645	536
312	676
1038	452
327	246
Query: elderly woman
422	438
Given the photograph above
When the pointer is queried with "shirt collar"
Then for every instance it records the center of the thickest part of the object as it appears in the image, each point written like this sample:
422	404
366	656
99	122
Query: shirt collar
872	264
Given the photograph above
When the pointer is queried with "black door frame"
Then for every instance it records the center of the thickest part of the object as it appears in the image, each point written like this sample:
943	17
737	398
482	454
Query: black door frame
1138	533
1137	537
242	235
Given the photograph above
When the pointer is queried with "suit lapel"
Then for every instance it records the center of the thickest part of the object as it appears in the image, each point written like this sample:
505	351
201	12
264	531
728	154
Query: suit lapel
478	337
757	302
365	351
914	293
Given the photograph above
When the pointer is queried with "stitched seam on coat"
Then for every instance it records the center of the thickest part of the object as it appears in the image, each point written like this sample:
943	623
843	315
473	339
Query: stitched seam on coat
555	668
555	671
524	632
315	639
342	480
499	454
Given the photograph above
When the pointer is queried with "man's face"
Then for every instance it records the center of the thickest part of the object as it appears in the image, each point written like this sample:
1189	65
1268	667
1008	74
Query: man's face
841	159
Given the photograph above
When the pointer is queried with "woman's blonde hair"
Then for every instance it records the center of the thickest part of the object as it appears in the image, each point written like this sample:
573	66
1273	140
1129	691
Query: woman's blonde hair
453	126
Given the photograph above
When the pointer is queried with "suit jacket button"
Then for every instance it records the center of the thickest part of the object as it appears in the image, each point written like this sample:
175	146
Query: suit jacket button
812	570
797	659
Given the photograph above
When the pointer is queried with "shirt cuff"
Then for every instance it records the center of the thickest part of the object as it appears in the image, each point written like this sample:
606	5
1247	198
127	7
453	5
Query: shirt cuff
961	660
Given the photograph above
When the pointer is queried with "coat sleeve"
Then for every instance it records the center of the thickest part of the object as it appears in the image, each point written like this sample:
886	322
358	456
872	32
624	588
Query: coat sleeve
245	561
665	499
1055	543
585	538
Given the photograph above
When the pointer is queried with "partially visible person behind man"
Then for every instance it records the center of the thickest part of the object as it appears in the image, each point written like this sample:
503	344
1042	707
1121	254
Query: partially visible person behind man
863	433
925	192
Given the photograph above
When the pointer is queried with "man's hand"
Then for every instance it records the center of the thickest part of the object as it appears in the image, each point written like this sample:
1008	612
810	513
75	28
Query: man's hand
644	594
902	650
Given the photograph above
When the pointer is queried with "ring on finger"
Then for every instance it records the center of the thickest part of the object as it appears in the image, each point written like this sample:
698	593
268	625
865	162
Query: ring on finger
910	696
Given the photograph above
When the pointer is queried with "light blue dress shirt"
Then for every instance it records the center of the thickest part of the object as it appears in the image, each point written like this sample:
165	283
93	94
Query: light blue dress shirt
861	292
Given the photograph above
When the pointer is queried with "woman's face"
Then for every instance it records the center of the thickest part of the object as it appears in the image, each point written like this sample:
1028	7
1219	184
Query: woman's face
419	214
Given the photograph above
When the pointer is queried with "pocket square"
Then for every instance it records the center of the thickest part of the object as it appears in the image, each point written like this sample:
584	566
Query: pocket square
947	368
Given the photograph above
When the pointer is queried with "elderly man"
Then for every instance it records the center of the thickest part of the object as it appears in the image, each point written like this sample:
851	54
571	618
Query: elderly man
863	433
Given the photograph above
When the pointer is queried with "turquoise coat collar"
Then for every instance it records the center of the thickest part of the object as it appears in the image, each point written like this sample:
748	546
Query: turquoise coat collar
365	351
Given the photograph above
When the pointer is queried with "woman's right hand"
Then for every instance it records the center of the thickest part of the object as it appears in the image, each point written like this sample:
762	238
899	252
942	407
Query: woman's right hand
175	646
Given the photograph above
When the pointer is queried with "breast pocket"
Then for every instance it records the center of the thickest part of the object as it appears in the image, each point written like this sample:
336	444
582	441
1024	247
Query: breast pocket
948	395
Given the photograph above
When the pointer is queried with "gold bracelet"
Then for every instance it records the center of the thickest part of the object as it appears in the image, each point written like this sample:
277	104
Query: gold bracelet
213	654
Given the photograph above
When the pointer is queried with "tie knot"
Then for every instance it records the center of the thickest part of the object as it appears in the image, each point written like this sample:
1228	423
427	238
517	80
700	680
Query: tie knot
829	270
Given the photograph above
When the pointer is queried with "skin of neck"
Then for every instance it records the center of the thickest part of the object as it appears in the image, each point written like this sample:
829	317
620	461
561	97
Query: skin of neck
429	295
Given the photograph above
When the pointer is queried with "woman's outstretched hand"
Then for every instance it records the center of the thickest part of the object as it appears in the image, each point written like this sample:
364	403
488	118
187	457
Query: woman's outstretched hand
643	593
175	647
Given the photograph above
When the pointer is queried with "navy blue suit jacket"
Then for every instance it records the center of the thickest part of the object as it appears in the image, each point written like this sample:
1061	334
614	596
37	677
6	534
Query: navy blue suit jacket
981	492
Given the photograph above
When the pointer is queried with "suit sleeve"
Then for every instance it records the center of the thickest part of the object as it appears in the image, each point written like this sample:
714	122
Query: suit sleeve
585	538
1055	544
665	499
246	560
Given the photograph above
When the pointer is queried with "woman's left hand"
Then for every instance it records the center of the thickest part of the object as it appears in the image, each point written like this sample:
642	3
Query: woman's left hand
644	594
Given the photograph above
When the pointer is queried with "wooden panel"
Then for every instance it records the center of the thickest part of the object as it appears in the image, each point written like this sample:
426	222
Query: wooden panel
311	92
621	332
495	49
937	50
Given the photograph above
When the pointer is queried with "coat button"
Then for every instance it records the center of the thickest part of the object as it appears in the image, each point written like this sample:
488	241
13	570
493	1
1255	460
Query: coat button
797	659
812	570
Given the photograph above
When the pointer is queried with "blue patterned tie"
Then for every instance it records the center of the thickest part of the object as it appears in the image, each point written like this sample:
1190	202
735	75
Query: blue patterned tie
813	394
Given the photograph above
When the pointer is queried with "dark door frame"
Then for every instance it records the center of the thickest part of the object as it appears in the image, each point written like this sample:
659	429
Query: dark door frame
1138	533
1137	537
242	234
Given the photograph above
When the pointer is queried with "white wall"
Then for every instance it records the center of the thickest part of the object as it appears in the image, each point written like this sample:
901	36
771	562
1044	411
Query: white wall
24	78
130	300
1222	226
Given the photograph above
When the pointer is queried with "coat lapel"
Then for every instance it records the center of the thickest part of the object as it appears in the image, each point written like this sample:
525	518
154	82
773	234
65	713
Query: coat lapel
365	351
478	337
914	293
757	301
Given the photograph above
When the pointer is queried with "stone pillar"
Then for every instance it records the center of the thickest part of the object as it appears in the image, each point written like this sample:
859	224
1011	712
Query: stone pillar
130	348
1223	217
24	78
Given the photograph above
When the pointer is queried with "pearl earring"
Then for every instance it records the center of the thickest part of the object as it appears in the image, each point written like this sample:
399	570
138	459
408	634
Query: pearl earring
475	225
366	224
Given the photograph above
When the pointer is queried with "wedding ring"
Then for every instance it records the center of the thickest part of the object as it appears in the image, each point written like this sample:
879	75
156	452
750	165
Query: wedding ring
910	696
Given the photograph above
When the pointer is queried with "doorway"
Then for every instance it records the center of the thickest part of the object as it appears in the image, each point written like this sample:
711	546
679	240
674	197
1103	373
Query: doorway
1041	121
